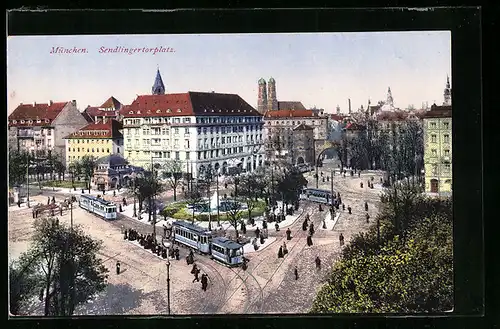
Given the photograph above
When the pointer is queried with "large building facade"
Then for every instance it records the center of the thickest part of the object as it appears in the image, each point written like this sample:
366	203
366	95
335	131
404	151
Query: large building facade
42	127
198	129
97	139
438	149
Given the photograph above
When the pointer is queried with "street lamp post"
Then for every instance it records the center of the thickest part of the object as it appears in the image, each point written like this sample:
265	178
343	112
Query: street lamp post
155	187
218	212
168	284
208	179
28	177
135	192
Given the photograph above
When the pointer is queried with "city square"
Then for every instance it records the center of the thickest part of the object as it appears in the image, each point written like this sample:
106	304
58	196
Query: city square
202	202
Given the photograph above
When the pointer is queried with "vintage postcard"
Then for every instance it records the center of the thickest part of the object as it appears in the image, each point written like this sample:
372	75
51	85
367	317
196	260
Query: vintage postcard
230	173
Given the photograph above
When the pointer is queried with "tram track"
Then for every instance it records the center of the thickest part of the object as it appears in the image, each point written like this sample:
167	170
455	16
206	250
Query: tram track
215	294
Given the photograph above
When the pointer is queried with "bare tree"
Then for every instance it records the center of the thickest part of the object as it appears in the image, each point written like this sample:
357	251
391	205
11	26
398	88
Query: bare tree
195	200
173	173
233	212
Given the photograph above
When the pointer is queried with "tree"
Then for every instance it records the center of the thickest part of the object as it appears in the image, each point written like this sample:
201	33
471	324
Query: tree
24	282
173	173
415	275
56	165
75	170
290	183
71	272
88	164
195	200
17	166
233	212
251	189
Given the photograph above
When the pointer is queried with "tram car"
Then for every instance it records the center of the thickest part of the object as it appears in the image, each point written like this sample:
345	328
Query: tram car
98	206
317	195
206	242
227	251
192	236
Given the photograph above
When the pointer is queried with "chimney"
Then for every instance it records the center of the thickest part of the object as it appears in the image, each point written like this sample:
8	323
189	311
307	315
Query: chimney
349	105
34	103
51	102
73	102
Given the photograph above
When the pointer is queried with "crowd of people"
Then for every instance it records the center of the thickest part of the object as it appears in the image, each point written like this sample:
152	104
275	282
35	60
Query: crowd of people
149	242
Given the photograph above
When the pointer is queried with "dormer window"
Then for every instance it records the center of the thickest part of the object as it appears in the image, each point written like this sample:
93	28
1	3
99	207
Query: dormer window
14	121
169	110
47	121
38	121
138	112
131	112
22	121
179	110
158	111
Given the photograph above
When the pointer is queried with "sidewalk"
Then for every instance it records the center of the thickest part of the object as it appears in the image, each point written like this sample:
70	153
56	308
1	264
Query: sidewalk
128	211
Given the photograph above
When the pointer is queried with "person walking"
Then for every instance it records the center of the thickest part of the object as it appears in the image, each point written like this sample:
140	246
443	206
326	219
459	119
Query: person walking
341	239
318	262
285	250
288	234
349	209
366	206
296	273
196	274
204	282
280	252
117	268
367	218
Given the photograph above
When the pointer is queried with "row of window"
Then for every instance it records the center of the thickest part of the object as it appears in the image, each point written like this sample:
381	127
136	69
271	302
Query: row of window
201	155
228	252
102	141
446	138
31	121
433	125
446	169
215	119
293	123
434	152
166	131
229	139
96	150
191	236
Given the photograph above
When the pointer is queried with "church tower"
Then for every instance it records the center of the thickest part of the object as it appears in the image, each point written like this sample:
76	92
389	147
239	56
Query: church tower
390	100
262	99
447	92
158	86
338	109
272	101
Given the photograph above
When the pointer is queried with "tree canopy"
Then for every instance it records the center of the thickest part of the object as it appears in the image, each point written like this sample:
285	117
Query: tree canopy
63	263
386	273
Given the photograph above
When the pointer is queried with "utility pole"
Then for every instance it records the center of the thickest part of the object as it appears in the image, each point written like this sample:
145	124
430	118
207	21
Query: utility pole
28	178
168	284
331	185
209	182
218	213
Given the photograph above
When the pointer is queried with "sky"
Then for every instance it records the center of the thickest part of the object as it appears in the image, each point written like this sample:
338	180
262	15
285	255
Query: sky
318	69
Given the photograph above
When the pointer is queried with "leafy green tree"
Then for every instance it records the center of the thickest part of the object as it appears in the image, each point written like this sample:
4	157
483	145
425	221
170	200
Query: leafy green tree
173	173
75	169
411	276
290	183
24	282
17	166
66	258
88	164
251	189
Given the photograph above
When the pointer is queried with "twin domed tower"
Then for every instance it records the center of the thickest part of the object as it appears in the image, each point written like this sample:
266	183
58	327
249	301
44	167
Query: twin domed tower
267	100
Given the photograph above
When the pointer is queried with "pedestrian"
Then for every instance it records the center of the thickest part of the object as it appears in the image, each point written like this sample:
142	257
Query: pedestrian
53	199
296	273
349	209
277	227
57	221
367	218
318	262
176	252
33	213
309	240
343	207
193	270
48	200
366	206
288	234
285	250
120	207
304	225
204	282
196	275
114	193
257	232
60	210
311	229
359	173
341	239
361	184
324	224
264	224
40	296
117	268
19	203
280	252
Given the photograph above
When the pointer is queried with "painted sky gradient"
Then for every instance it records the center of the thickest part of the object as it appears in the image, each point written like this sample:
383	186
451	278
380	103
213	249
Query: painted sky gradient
320	70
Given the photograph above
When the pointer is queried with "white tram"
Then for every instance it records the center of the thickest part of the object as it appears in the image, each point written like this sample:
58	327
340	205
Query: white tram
317	195
98	206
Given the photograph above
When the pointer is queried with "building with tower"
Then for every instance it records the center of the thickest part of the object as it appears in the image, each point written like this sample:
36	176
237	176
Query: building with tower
109	110
199	129
438	146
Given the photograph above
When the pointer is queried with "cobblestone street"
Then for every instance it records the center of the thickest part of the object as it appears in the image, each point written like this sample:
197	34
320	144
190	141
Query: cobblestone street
267	286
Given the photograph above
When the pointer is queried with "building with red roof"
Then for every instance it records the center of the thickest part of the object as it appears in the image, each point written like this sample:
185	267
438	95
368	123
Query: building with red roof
110	109
198	129
41	128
